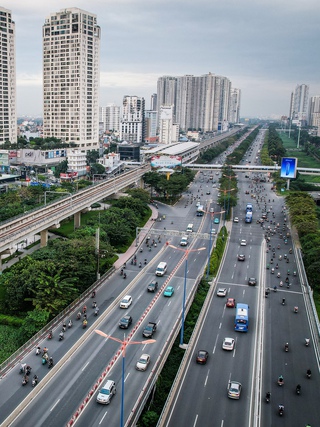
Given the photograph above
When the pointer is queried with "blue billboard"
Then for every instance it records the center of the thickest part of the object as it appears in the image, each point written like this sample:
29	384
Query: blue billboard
288	167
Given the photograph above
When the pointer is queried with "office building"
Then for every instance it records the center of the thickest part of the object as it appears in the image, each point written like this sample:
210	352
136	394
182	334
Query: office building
132	125
150	123
110	117
168	130
71	50
153	105
8	115
299	104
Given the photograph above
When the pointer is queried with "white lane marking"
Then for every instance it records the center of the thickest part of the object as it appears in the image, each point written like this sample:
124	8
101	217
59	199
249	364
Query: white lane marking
55	405
196	420
103	418
169	303
207	377
85	366
220	325
139	296
178	287
215	344
127	377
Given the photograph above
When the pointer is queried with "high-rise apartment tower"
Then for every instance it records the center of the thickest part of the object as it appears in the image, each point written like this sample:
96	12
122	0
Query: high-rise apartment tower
8	114
299	103
71	54
132	120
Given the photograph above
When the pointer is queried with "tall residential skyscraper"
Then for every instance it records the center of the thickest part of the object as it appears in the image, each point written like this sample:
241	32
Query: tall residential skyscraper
8	114
314	113
110	117
235	101
71	55
153	105
198	102
299	103
132	120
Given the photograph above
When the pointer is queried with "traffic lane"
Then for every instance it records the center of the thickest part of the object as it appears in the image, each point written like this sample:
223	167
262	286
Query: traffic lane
79	393
221	364
291	328
160	314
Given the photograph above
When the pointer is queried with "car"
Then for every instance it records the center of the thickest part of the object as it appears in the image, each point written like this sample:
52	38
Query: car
211	210
252	281
126	301
143	363
228	344
168	292
106	392
213	231
125	322
208	192
221	292
241	257
216	220
202	357
234	389
235	219
243	242
231	302
153	286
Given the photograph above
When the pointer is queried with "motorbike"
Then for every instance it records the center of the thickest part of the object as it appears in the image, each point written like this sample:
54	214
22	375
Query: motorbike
70	324
34	381
298	389
280	380
96	312
283	301
64	327
45	358
309	374
84	324
121	272
93	294
295	309
94	304
79	316
278	275
61	336
294	273
38	351
125	275
50	363
50	335
286	347
281	410
307	342
268	397
25	380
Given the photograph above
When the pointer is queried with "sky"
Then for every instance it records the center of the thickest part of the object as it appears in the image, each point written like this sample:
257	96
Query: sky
265	47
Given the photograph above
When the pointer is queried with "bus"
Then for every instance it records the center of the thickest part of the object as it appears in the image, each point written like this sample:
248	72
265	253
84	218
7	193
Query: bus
241	323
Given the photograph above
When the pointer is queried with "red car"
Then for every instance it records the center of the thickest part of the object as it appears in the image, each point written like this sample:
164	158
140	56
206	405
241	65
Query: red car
202	357
231	302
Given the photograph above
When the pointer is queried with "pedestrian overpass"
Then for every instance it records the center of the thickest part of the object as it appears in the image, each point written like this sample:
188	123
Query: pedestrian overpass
249	168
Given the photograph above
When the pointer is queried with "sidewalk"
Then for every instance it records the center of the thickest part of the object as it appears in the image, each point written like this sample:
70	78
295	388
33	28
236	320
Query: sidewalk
123	258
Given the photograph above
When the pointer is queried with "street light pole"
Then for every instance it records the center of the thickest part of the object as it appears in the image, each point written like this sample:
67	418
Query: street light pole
124	344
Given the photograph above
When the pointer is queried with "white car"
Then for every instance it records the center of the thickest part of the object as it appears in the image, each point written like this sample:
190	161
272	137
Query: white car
222	292
228	344
143	362
243	242
235	219
126	301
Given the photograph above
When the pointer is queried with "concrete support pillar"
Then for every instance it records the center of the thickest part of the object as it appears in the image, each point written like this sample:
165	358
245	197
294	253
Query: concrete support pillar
77	220
140	183
43	238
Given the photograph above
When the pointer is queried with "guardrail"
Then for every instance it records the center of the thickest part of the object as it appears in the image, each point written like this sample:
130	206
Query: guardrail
30	344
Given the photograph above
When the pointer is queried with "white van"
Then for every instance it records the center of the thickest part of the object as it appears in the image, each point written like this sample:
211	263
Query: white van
161	269
190	228
106	392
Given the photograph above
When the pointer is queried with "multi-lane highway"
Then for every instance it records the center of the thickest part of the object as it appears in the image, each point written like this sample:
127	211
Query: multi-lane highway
259	357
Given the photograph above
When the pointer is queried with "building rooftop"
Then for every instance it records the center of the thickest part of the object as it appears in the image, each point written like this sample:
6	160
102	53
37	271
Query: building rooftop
172	149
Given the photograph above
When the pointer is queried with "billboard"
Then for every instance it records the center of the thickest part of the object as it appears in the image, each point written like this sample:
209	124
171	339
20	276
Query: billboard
288	167
4	158
166	161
